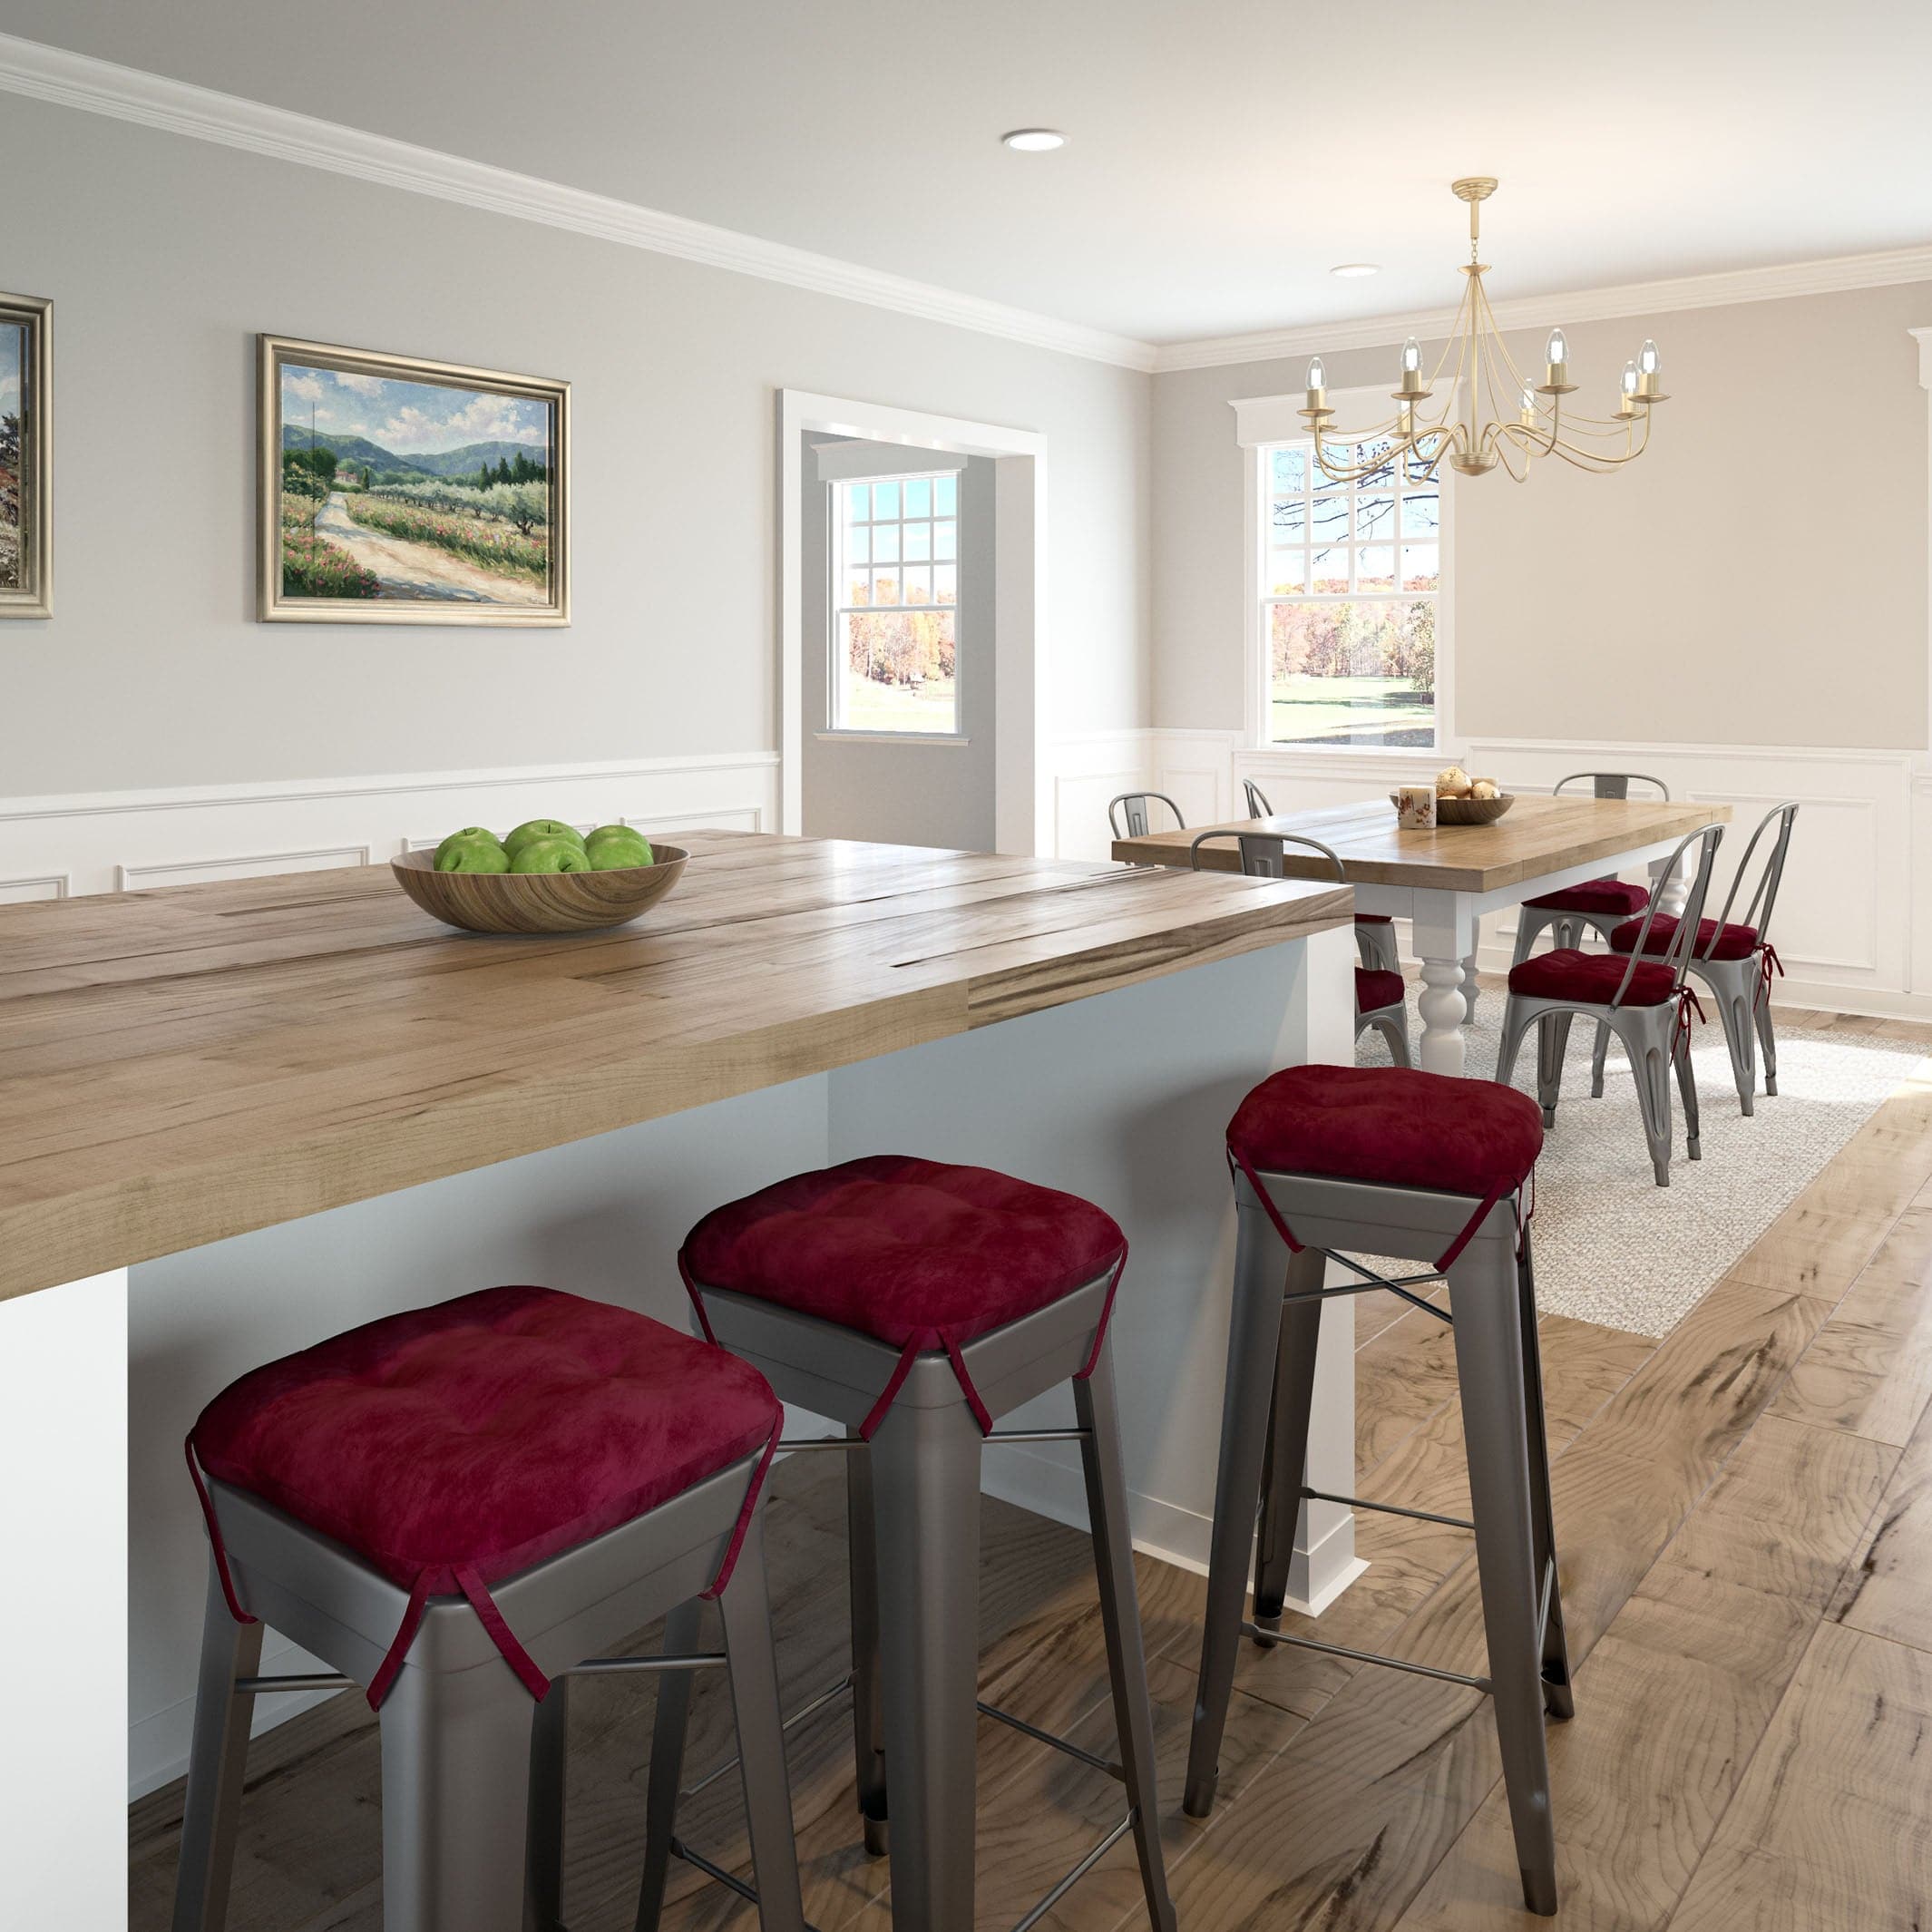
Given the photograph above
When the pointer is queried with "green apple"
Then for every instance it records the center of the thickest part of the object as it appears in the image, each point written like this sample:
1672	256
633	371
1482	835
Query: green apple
550	855
536	828
464	837
615	848
471	854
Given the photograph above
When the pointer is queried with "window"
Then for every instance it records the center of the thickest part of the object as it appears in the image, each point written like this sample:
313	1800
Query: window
895	604
1350	581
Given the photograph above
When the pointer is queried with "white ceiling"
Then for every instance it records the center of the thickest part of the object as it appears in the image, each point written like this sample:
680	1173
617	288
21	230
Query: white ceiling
1223	156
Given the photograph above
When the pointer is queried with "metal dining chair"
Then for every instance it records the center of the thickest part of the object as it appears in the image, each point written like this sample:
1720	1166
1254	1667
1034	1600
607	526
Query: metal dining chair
1134	804
1736	961
1374	932
1602	904
1642	998
1382	1002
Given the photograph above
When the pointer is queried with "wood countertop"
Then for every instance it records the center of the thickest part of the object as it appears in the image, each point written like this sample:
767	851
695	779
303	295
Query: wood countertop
180	1066
1536	837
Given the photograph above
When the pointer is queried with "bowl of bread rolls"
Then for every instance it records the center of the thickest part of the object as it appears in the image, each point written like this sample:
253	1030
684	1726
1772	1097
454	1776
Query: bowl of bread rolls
1461	800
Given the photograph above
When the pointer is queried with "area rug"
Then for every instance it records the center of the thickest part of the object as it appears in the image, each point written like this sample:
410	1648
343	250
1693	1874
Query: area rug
1614	1248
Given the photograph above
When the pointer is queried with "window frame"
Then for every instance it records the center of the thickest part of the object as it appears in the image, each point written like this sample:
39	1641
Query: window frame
837	579
1264	424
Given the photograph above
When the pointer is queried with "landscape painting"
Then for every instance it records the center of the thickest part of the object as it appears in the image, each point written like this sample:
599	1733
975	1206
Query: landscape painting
399	490
26	518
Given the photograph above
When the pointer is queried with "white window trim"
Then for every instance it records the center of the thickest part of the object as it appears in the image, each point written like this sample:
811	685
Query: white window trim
1923	337
1261	421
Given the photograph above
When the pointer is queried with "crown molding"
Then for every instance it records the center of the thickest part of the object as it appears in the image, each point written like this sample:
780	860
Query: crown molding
177	107
1545	311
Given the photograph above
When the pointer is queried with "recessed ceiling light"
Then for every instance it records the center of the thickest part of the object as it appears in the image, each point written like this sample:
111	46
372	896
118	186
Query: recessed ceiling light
1034	140
1352	268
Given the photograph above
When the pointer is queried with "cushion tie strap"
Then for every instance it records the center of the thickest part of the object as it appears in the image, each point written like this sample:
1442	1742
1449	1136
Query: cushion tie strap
1686	999
742	1527
1773	964
405	1634
1107	1315
501	1635
214	1537
918	1343
697	1302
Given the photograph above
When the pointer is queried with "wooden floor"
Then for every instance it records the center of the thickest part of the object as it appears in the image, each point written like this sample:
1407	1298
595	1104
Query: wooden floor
1745	1514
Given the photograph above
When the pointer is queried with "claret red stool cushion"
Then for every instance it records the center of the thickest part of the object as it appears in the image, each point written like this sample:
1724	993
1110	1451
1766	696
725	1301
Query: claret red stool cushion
1610	897
895	1247
1375	990
1592	978
1734	943
488	1432
1395	1125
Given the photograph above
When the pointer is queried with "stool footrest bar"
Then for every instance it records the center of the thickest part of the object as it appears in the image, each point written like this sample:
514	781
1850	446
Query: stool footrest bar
719	1876
1047	1737
1549	1585
1357	1502
314	1681
789	1444
809	1709
1078	1872
704	1660
1262	1635
1400	1286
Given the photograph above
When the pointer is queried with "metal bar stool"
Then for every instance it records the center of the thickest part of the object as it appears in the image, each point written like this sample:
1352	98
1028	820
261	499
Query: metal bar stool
916	1302
1381	996
1330	1160
1374	932
1736	961
458	1508
1645	1000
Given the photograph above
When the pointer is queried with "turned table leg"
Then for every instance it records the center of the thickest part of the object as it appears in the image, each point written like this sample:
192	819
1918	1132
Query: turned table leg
1445	936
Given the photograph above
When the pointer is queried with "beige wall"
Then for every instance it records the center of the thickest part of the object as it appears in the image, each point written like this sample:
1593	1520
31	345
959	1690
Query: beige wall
1758	577
164	255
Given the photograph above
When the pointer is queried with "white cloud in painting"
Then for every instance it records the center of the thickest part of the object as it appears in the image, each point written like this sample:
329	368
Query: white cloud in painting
306	387
361	384
9	392
411	417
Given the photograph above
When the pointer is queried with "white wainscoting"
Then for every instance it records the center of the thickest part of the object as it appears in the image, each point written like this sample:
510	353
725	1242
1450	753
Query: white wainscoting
128	841
1853	920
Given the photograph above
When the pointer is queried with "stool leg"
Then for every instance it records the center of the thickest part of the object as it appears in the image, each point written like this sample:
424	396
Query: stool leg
668	1726
1553	1041
550	1733
747	1608
926	1504
455	1776
1492	1377
1284	1474
1253	1339
1558	1698
1096	1411
217	1764
1687	1088
868	1740
1767	1039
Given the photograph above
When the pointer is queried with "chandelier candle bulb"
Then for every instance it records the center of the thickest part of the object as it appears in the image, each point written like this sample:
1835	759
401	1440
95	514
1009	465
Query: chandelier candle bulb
1317	405
1412	384
1557	364
1649	370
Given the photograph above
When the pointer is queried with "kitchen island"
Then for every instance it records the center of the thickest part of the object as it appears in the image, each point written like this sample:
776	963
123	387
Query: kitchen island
241	1117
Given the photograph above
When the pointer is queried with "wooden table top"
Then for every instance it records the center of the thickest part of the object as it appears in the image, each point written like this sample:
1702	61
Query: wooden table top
1535	837
180	1066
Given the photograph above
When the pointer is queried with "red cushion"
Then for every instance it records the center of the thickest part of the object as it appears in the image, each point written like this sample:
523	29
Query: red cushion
892	1246
493	1430
1373	918
1591	976
1595	895
1390	1125
1375	990
1734	943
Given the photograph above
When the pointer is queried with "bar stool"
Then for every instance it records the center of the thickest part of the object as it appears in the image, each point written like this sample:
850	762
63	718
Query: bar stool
1387	1161
916	1302
457	1507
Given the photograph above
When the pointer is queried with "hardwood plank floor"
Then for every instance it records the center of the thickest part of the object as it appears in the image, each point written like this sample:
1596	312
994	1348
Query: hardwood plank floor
1745	1515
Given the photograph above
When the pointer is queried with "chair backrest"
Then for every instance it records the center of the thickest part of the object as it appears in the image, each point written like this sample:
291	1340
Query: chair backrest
1258	805
1677	954
1134	804
1613	784
1262	853
1764	896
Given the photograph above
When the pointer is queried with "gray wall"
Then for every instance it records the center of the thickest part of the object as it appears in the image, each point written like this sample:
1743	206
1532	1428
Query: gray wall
1758	577
163	256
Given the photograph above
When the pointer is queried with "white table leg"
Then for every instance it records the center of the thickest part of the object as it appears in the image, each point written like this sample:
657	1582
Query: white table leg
1674	899
1445	936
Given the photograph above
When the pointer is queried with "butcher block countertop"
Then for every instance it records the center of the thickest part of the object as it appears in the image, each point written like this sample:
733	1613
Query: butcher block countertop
181	1066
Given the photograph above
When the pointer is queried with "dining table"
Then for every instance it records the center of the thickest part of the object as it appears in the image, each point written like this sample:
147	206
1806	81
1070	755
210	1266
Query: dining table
1443	879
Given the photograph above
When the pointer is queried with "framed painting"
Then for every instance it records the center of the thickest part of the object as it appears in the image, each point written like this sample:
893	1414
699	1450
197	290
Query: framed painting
27	456
395	491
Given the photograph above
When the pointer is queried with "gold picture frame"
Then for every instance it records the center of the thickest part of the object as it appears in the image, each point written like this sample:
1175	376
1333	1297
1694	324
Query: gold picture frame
27	456
395	489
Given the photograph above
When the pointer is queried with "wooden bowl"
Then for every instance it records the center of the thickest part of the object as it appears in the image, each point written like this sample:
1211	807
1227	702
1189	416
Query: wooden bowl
1466	810
538	901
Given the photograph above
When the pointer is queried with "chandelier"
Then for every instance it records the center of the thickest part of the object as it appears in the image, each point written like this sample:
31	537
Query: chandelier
1502	419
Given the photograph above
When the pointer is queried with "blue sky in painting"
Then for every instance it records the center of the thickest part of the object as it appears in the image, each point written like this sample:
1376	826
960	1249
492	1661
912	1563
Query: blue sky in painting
409	417
9	368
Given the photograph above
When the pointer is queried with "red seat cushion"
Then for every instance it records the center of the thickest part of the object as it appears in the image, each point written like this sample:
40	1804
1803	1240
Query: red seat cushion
1391	1125
1591	976
490	1432
1611	897
894	1246
1373	918
1375	990
1734	943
